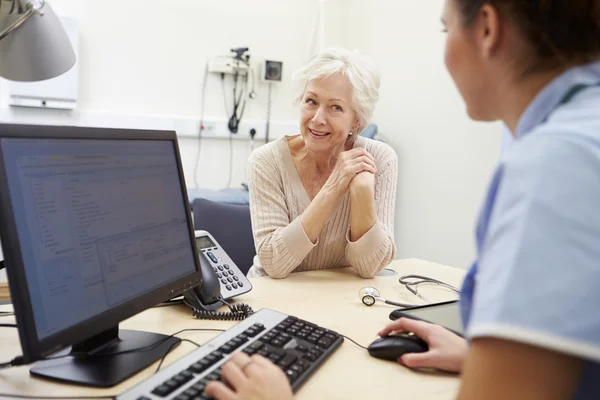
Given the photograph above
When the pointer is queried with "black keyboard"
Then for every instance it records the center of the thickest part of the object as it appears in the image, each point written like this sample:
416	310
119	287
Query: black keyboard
298	347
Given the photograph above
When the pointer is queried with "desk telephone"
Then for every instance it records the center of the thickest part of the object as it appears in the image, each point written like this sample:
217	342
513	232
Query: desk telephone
222	280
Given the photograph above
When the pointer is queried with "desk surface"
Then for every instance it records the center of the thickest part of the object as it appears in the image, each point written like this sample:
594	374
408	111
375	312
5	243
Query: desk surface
4	292
328	298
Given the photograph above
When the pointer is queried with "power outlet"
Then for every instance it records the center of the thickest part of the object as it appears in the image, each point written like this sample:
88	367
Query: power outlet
226	65
209	129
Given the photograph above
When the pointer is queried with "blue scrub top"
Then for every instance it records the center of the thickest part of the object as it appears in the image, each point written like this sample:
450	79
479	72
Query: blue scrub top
536	279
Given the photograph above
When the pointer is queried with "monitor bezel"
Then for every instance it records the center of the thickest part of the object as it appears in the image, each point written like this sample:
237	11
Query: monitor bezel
32	346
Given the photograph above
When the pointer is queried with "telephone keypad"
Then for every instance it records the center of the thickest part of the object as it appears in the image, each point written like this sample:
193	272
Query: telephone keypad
228	287
234	285
226	266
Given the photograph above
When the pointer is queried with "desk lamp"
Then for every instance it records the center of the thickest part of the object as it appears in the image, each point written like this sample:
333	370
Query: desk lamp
33	43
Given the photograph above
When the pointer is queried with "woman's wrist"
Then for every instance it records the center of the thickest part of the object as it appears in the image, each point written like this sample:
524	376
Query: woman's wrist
363	184
360	191
330	191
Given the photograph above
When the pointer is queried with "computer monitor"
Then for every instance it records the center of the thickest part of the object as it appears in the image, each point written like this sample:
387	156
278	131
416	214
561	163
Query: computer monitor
96	227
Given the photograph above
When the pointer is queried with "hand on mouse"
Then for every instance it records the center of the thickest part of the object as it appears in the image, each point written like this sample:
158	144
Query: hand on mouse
447	351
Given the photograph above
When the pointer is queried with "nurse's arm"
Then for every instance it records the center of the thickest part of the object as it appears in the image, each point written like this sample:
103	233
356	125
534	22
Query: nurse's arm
501	369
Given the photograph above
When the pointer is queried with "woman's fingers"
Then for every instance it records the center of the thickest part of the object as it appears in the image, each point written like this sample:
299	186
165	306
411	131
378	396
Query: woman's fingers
262	361
367	160
419	360
233	371
356	153
360	164
361	167
420	328
351	163
393	327
219	391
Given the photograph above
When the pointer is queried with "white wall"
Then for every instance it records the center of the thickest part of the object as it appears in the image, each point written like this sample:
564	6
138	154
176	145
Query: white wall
142	64
147	58
445	160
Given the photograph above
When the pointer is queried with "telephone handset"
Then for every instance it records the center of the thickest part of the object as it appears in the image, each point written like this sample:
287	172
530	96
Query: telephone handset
222	280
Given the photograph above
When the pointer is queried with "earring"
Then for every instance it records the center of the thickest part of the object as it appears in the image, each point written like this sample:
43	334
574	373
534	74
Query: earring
349	133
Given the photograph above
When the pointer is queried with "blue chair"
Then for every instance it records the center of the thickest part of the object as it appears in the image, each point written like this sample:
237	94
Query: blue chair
231	226
229	195
370	131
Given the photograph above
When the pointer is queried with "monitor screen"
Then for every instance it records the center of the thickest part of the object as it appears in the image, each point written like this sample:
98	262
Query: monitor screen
99	222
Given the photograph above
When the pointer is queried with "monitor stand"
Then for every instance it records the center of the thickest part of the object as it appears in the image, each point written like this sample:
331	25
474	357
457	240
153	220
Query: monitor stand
94	363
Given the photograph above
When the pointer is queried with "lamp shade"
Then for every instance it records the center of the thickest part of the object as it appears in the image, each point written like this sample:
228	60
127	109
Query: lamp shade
39	49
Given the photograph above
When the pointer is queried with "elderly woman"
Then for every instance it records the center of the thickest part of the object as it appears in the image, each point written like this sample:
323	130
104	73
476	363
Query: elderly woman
325	198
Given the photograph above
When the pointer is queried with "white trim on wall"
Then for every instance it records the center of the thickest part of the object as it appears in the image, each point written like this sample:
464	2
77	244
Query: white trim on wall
215	128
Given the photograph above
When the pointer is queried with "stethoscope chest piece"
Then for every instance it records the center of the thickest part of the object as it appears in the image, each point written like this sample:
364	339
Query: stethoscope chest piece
368	295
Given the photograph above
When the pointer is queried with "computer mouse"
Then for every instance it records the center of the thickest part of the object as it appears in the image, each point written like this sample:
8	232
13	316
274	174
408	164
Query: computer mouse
394	347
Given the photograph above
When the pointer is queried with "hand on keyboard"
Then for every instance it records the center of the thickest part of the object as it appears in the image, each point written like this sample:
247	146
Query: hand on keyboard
291	350
251	378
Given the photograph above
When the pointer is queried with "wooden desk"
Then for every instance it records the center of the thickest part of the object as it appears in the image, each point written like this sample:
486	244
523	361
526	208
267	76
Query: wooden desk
328	298
4	292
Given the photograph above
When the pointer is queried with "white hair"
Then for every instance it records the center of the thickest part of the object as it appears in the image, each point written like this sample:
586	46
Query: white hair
361	72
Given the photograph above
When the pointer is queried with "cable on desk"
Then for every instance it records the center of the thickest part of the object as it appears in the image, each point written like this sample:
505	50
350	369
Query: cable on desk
171	348
15	362
237	312
22	396
359	345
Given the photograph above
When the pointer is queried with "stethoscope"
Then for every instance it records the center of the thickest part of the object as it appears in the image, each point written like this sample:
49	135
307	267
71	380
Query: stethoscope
370	295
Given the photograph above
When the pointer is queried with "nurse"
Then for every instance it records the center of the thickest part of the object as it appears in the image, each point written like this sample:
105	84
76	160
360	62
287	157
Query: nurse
530	303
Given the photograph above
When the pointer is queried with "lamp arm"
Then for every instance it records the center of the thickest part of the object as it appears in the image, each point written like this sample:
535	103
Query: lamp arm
22	19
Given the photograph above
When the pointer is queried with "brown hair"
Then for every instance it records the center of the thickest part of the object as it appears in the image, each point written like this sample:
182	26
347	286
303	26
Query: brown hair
561	33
